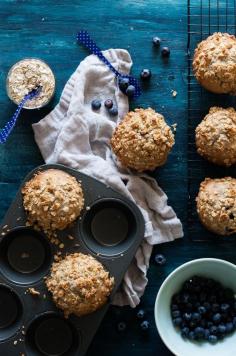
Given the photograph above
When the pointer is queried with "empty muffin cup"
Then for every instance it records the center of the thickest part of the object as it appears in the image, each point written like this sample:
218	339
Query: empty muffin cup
10	312
109	227
25	255
52	335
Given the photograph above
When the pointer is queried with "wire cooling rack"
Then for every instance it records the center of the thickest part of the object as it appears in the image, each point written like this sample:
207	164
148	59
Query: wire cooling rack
204	18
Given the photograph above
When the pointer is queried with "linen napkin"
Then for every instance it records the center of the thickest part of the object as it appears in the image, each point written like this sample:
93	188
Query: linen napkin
75	135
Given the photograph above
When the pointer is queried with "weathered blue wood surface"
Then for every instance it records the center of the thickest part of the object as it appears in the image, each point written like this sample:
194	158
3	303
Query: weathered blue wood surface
34	28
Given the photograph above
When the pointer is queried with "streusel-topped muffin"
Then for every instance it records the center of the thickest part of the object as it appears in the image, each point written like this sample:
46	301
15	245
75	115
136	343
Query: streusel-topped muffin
79	284
214	63
216	205
142	140
52	199
216	136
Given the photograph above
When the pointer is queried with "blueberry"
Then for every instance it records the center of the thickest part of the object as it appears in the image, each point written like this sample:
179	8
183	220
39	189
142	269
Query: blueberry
187	316
174	307
202	310
212	339
140	314
207	305
108	103
177	321
123	83
160	259
130	91
229	327
192	335
215	307
165	52
156	41
185	332
206	334
234	321
96	104
176	314
196	316
216	318
222	329
121	326
192	324
144	325
199	332
213	330
210	324
225	307
113	111
145	74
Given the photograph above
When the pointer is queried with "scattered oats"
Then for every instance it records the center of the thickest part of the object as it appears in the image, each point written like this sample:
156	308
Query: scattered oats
25	76
33	291
131	28
44	296
174	127
98	254
71	237
59	253
5	226
77	245
61	245
27	223
3	233
21	340
23	332
42	19
56	258
88	208
174	93
121	254
15	342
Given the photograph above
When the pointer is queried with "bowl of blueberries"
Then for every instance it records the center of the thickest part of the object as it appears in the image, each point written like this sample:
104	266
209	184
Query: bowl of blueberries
195	309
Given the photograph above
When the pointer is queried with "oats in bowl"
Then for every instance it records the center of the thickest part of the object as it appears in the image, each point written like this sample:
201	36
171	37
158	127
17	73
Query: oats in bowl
27	75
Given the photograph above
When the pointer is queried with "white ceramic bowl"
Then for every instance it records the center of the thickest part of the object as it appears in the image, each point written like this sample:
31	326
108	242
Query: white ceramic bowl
220	270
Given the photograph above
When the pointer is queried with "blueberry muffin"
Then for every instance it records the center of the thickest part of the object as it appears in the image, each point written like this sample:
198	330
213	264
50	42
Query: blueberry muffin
214	63
216	205
53	199
79	284
216	136
142	140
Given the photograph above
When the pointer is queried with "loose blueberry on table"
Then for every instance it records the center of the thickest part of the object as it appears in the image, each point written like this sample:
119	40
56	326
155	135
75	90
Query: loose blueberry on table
145	74
203	309
123	83
165	52
130	91
160	259
113	111
108	103
96	104
156	41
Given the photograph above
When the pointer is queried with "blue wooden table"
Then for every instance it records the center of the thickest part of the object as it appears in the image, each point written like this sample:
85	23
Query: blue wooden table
34	28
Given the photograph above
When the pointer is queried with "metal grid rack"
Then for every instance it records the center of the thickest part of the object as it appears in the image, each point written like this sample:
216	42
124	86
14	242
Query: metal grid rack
204	18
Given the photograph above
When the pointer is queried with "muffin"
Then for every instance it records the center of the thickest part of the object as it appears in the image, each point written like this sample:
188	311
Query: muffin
216	205
79	284
216	136
214	63
142	140
53	199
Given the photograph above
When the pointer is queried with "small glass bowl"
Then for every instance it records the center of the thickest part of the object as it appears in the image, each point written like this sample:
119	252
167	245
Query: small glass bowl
26	105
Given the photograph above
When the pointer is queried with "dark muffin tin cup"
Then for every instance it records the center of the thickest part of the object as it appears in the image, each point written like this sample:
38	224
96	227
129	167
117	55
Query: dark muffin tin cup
110	228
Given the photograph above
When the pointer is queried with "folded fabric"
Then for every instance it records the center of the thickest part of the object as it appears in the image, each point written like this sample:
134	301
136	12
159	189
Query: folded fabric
75	135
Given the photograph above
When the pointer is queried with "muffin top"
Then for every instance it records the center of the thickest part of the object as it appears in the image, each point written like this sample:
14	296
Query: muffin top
216	205
52	199
214	63
79	284
142	140
216	136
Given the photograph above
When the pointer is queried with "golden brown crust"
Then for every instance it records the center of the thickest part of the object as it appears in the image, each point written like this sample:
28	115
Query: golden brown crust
216	205
79	284
216	136
52	199
214	63
142	140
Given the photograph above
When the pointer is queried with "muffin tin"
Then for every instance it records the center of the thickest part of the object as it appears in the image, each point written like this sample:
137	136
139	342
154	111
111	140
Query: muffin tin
110	228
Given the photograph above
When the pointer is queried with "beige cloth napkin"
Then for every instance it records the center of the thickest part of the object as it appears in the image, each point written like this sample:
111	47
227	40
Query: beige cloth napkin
75	135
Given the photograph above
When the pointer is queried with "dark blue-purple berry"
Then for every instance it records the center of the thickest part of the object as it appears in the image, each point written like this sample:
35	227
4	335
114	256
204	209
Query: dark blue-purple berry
144	325
225	307
212	339
130	91
213	330
165	52
229	327
196	317
176	314
192	335
185	332
216	318
222	329
202	310
108	103
96	104
177	321
160	259
141	314
206	334
121	326
174	307
113	111
145	74
156	41
123	83
199	332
